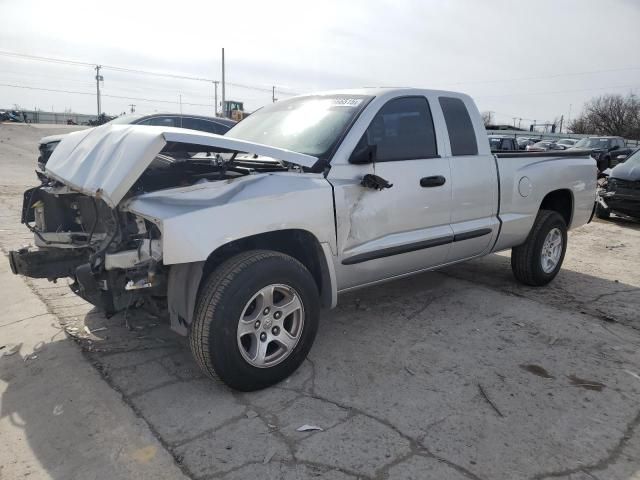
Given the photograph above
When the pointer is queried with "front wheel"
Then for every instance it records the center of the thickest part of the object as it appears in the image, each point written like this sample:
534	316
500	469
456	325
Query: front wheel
537	261
256	319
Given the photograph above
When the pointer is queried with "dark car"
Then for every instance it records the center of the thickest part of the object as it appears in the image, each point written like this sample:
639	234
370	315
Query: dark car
193	122
501	143
523	142
620	192
605	150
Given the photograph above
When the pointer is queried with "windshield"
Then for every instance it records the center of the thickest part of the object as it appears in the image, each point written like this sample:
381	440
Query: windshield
634	158
592	143
310	125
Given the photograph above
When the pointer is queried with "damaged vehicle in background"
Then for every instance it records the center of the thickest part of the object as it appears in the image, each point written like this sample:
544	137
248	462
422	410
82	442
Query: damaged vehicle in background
193	122
619	190
247	236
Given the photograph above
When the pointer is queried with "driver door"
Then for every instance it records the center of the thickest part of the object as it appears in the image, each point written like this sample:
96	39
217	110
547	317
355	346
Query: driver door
405	228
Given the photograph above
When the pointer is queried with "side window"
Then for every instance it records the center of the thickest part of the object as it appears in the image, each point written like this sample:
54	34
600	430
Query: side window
204	125
403	130
160	122
462	136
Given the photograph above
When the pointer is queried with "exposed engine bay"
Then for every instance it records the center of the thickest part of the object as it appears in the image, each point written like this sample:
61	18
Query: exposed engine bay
113	257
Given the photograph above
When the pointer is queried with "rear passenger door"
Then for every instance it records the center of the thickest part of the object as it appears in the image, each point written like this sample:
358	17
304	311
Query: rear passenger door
474	181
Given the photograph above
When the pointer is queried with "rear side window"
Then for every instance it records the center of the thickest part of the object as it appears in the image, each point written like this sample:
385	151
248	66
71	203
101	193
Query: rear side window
160	122
203	125
462	136
403	130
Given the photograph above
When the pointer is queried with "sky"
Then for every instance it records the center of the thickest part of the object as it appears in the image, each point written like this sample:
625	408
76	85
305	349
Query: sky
519	59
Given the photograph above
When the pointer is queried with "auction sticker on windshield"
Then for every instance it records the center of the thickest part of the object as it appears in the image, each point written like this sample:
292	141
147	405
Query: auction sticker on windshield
346	102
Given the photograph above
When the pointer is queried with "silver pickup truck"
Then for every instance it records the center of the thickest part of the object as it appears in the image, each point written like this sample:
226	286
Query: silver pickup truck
245	237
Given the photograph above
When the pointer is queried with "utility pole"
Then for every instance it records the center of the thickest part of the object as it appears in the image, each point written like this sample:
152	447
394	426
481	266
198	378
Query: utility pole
215	98
224	114
133	107
180	101
514	122
273	94
519	122
561	120
98	79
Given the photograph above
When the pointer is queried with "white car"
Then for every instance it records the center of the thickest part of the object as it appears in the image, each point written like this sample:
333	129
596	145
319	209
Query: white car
246	236
567	142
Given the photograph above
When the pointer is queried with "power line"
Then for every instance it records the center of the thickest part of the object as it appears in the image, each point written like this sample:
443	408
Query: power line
558	92
546	76
152	100
47	59
136	71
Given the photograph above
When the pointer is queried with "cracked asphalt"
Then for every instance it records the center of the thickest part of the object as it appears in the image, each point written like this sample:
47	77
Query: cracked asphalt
456	374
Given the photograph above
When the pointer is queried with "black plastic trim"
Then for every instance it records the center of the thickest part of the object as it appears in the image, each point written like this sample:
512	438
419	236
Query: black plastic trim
390	251
458	237
548	153
412	247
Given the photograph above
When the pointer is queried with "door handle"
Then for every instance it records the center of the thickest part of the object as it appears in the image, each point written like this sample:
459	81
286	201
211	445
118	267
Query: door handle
435	181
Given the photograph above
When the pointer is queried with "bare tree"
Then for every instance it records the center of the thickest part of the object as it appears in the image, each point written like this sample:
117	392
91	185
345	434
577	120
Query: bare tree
486	118
610	115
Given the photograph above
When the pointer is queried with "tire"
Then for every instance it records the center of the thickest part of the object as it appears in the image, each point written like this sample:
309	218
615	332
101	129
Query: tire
230	299
602	213
527	259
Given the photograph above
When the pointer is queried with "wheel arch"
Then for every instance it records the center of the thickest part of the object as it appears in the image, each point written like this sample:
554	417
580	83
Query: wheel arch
560	201
297	243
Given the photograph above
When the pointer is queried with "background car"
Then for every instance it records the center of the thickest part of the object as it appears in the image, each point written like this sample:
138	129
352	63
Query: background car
544	146
216	125
620	192
607	151
567	142
502	142
524	141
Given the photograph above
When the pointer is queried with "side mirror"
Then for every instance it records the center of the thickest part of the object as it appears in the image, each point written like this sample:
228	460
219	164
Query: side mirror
363	153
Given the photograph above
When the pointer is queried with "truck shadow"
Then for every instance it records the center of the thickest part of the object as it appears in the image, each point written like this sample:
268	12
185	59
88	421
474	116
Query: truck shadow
55	422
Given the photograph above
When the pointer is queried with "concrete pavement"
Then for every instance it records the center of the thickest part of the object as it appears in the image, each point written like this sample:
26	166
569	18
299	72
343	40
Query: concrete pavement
459	374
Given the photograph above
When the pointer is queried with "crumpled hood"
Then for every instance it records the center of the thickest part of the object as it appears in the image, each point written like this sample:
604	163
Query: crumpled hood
106	161
626	171
52	138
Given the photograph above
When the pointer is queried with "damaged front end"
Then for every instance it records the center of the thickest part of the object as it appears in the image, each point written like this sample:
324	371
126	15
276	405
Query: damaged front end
621	196
112	257
83	229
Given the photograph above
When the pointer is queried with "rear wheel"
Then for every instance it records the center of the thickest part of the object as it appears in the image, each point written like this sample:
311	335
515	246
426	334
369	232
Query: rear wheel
537	261
256	319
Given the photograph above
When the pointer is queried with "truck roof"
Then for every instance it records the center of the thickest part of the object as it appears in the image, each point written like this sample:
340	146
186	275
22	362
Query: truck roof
388	91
